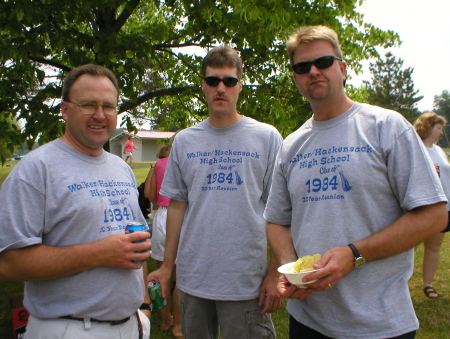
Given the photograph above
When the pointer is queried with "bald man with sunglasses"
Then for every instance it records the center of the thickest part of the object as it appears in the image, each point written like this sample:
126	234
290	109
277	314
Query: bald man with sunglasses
218	178
355	184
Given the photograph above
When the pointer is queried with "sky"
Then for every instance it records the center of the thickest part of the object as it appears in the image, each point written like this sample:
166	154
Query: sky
424	29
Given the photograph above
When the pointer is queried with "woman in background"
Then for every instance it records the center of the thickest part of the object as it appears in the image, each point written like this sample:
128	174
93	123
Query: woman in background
429	127
128	150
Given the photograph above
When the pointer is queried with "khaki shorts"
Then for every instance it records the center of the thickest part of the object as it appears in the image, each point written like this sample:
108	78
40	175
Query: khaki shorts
242	319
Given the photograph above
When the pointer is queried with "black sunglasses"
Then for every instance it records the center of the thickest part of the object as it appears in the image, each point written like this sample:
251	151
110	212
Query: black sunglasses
321	63
215	81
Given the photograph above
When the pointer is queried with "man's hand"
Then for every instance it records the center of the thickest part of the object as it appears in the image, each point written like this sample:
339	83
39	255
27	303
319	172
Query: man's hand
287	290
162	275
44	262
269	296
120	250
335	264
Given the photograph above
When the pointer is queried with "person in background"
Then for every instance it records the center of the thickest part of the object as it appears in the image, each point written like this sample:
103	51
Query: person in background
63	217
356	185
162	153
429	127
218	177
128	150
159	238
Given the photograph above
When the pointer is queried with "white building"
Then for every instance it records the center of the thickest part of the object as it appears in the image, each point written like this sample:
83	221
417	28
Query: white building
147	142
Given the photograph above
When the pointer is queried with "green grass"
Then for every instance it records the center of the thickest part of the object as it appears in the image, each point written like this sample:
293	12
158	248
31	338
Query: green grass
434	315
141	170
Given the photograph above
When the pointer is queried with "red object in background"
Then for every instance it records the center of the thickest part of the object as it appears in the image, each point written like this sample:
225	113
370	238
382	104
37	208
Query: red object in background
19	316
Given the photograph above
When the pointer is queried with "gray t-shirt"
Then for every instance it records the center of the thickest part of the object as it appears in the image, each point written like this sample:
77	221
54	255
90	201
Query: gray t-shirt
224	175
59	197
338	181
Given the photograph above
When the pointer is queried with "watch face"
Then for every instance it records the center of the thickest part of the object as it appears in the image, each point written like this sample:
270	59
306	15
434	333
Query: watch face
360	261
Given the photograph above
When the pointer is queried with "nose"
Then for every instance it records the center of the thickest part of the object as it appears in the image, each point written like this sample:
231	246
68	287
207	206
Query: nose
314	70
99	112
221	87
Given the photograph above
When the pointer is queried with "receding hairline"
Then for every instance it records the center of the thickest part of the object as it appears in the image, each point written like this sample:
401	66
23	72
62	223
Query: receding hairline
88	69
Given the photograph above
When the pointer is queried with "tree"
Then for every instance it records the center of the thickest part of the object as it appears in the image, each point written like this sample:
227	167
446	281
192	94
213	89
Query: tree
7	124
392	87
148	44
441	104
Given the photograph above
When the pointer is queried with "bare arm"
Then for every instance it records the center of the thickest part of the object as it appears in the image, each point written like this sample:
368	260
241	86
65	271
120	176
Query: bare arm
147	182
175	217
408	231
152	189
146	294
283	251
403	234
269	296
280	242
43	262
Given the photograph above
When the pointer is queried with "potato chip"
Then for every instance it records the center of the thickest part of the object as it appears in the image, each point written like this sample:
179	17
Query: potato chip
305	263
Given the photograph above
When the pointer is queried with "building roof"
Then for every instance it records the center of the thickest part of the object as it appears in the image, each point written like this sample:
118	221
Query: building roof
146	134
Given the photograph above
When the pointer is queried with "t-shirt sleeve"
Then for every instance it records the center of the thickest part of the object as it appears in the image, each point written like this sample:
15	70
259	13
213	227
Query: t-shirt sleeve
173	185
275	143
411	172
279	207
22	214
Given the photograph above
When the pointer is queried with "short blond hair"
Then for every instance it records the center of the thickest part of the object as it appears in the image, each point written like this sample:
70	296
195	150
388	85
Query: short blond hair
426	122
307	34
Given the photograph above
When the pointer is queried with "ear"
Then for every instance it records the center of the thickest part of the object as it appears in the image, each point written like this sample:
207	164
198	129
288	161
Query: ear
64	112
343	67
240	86
203	86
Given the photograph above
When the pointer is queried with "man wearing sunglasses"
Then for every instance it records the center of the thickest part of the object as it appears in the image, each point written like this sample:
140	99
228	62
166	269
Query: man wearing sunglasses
354	184
65	208
218	177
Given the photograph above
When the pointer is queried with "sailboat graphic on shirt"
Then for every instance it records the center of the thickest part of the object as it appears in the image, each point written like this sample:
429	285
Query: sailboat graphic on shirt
239	180
345	184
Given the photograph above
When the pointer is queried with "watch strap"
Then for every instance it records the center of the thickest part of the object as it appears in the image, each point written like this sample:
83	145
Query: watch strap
355	251
145	306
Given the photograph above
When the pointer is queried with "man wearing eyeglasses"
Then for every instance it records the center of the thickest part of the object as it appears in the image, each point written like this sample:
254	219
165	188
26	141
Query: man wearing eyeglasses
218	178
64	211
355	185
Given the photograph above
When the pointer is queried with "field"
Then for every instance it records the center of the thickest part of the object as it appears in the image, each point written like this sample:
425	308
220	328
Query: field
434	314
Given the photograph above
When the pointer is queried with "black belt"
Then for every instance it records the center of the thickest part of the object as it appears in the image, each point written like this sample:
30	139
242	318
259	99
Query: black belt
111	322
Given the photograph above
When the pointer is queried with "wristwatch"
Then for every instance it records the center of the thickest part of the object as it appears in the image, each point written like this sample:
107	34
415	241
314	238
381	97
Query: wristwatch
146	306
359	259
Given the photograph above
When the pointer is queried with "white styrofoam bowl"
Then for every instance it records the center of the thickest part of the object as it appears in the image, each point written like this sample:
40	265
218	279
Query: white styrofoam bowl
295	278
